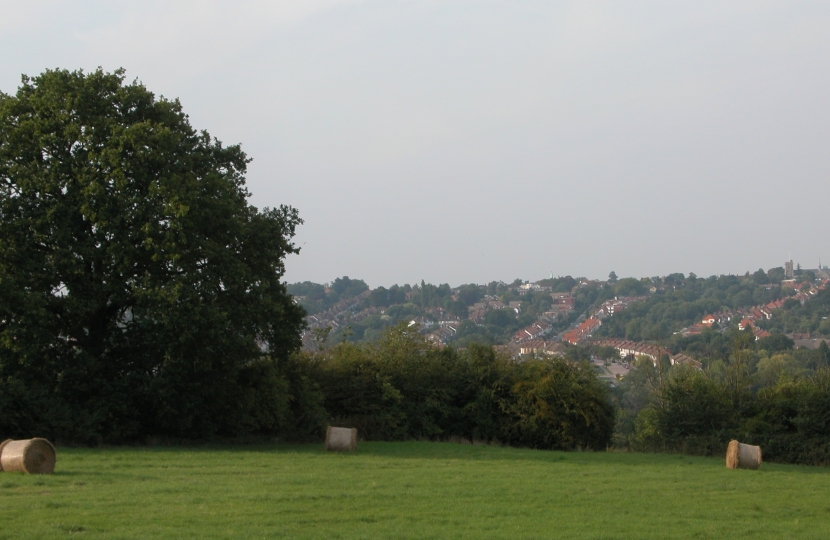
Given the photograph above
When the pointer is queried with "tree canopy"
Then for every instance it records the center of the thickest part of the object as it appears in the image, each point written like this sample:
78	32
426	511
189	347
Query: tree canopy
139	291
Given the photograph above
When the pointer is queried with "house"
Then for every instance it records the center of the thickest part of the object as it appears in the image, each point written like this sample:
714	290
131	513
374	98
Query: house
477	315
582	331
423	322
618	304
542	347
694	330
443	334
804	340
634	348
723	317
535	287
776	304
521	291
534	331
760	334
563	299
511	349
496	304
685	360
555	311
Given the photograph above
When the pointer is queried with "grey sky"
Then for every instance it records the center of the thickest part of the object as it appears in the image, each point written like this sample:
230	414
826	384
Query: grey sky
467	141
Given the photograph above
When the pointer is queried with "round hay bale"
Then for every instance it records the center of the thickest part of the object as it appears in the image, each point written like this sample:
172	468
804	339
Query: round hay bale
339	439
33	456
742	456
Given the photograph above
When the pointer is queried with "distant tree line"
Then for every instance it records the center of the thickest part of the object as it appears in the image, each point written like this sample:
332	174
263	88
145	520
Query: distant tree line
316	297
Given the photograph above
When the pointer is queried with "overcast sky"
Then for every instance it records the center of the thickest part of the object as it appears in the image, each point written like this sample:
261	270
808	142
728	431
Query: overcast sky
471	141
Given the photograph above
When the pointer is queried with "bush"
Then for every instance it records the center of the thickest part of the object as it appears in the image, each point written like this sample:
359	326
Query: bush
793	423
696	414
558	405
402	387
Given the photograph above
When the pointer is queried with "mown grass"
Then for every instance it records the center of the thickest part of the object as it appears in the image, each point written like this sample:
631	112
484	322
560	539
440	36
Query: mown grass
408	490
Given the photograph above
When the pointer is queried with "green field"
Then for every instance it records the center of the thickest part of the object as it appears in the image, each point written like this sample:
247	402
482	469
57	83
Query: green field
408	490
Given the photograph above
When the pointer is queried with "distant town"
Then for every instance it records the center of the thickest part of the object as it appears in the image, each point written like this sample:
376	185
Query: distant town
545	317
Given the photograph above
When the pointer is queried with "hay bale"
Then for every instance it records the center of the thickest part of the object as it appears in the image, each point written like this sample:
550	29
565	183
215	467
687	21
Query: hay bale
33	456
742	456
339	439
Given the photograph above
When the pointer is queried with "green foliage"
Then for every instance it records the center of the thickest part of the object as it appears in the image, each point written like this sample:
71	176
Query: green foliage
630	287
781	402
503	318
470	294
402	387
316	297
696	413
822	356
560	406
577	354
606	353
793	420
379	297
776	343
559	284
429	295
772	369
776	275
760	277
348	288
137	285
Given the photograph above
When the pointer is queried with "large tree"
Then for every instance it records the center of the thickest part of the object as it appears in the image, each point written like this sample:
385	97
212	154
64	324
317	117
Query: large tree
139	291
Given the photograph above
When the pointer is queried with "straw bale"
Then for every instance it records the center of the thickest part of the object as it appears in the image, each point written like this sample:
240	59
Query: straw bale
33	456
340	439
742	456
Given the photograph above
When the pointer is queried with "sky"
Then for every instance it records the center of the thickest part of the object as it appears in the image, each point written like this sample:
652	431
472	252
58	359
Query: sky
469	141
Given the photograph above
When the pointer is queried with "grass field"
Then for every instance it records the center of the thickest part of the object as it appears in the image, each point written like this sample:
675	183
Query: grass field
408	490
